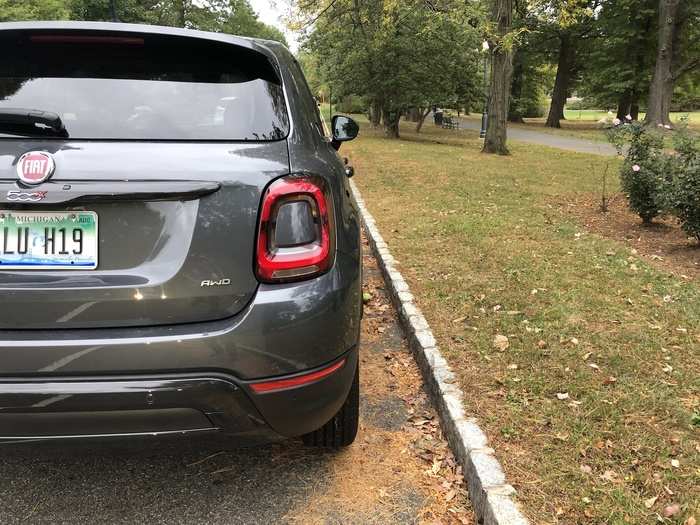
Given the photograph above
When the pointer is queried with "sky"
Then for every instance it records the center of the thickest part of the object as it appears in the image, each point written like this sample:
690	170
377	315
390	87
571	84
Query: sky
271	12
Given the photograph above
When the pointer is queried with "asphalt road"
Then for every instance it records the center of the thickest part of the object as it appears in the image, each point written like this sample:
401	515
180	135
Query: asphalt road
398	471
548	139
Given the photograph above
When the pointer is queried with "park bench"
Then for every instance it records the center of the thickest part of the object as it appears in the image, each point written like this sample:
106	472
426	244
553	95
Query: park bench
449	122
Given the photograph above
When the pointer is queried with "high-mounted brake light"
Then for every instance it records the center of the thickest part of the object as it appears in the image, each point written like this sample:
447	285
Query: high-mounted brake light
86	39
295	233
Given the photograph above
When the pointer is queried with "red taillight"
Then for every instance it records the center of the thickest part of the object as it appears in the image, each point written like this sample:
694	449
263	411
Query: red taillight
291	382
306	209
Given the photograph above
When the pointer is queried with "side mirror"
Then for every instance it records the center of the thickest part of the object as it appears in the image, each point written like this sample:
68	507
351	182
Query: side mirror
344	129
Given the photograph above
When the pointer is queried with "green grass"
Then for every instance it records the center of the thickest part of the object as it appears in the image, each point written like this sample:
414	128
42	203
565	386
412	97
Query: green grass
584	124
486	253
595	115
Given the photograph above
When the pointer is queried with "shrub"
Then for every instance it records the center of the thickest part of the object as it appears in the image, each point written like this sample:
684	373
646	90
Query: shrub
582	103
684	192
645	173
351	104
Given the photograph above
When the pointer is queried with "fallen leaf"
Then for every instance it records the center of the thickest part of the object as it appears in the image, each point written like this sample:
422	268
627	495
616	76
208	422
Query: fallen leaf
501	343
574	341
366	297
586	469
541	344
450	495
649	503
609	475
594	366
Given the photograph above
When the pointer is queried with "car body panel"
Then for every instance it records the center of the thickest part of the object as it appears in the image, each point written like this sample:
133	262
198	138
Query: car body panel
179	244
144	314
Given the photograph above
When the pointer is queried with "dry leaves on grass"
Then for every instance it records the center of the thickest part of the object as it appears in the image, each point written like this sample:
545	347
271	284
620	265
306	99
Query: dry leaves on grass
501	343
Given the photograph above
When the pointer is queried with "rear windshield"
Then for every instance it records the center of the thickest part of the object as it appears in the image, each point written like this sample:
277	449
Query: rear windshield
142	87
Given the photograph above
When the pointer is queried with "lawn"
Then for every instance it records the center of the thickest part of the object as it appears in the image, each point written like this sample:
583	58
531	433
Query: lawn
583	124
591	394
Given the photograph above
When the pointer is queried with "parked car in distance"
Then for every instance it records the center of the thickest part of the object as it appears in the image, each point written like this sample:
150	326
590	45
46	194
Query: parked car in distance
179	249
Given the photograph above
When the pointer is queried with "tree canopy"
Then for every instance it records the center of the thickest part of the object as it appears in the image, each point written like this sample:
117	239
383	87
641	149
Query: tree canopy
396	55
229	16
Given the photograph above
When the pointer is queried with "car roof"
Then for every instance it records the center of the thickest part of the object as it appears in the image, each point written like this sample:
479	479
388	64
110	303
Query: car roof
256	44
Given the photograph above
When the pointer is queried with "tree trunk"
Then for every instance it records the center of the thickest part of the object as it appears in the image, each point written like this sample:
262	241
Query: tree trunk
634	110
391	123
375	114
661	87
516	89
624	105
501	73
561	83
414	114
421	120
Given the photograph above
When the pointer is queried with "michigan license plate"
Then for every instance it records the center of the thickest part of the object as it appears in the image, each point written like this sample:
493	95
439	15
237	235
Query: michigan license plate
48	240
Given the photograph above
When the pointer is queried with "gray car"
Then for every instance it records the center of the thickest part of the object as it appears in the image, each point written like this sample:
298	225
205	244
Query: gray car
179	249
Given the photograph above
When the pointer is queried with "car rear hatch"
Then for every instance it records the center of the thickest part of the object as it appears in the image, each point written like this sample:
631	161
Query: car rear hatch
161	150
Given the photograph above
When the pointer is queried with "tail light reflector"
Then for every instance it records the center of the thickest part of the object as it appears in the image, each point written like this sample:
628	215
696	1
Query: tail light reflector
295	233
300	380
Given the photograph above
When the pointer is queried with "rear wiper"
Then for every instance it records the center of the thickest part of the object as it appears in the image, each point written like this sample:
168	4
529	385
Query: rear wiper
31	122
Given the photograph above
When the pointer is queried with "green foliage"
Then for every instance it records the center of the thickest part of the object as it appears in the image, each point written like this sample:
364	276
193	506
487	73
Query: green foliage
227	16
527	88
683	198
352	104
686	95
11	10
583	103
643	174
395	55
656	181
621	60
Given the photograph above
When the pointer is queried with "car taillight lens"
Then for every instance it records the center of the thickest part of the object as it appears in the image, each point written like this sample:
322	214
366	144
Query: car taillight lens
295	232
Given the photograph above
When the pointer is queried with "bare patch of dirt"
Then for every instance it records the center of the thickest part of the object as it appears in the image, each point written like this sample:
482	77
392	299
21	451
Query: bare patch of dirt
400	469
663	244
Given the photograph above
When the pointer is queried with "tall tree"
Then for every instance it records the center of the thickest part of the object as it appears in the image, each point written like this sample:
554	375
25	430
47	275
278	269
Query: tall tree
677	54
501	44
564	24
565	65
618	68
396	55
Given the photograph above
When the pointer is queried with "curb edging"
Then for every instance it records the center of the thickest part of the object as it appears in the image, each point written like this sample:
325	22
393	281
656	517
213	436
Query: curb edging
490	494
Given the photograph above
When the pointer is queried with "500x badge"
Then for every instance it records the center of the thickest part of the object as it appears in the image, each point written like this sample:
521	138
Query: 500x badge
25	196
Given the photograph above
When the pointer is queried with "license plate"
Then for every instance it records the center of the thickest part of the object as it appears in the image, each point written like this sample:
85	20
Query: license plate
48	240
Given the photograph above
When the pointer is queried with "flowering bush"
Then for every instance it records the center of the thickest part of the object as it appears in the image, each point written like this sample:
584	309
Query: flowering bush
656	181
684	194
645	173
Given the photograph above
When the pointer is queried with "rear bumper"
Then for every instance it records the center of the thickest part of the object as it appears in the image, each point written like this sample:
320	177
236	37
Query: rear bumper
64	408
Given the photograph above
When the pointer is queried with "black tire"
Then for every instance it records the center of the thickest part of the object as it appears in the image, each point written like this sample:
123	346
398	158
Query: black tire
341	430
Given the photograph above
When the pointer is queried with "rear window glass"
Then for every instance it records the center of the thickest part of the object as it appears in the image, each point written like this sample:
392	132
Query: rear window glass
147	87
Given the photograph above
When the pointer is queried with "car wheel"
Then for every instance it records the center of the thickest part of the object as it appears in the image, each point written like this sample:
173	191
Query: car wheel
341	430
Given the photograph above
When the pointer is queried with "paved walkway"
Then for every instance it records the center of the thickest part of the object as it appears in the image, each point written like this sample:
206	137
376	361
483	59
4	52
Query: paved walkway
547	139
399	471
